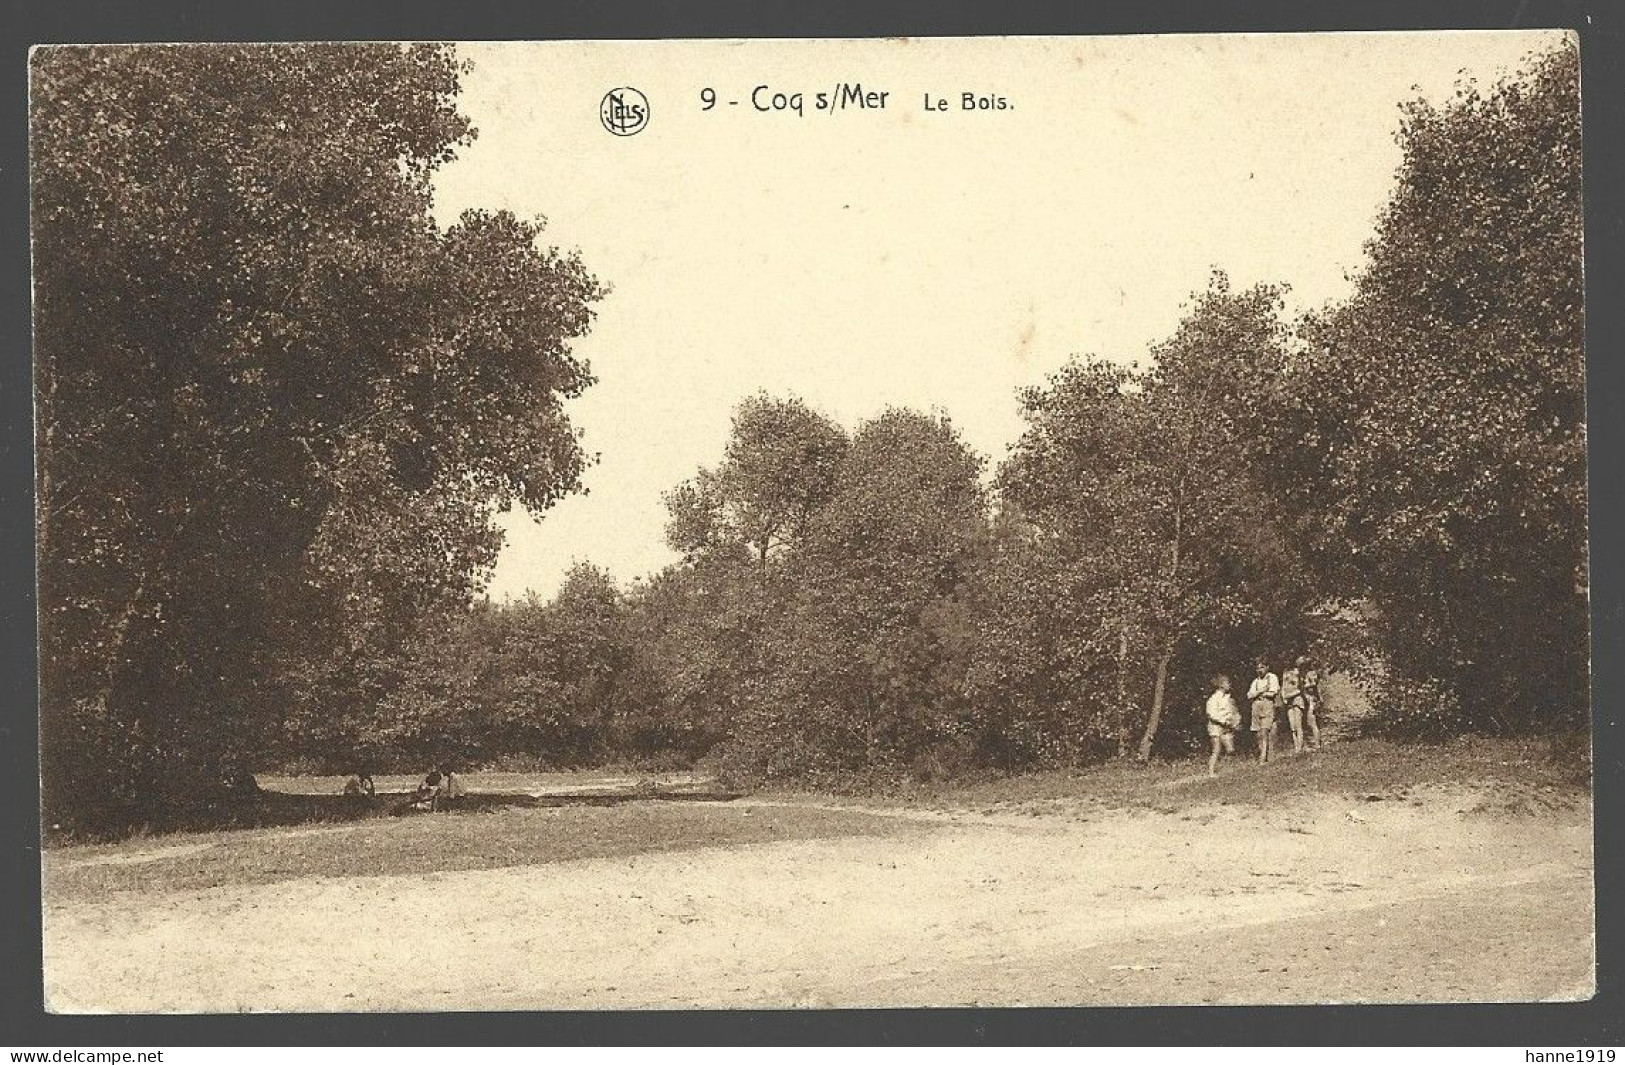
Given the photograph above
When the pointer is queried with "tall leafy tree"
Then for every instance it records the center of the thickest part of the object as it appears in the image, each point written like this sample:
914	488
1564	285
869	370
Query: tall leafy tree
780	466
1156	483
277	404
816	624
1437	418
557	683
737	525
871	651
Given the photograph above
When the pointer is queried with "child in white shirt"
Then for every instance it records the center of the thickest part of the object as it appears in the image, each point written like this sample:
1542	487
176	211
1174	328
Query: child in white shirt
1223	718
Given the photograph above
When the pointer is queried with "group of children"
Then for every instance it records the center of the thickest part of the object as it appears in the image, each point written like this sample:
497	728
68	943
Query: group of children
440	788
1298	689
437	790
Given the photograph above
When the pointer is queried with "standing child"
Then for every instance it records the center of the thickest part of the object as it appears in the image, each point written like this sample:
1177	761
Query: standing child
1311	700
1262	693
1223	718
1292	699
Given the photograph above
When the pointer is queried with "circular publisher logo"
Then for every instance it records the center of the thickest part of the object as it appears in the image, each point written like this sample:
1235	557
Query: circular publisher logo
624	111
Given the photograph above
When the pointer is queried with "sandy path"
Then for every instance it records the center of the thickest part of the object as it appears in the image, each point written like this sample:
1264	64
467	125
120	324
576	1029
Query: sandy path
1075	906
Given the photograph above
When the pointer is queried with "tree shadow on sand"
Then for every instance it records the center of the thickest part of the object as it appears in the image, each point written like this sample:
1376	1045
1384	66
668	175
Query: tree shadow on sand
281	809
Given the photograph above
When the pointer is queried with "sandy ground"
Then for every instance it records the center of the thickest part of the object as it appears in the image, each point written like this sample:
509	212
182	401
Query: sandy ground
1424	899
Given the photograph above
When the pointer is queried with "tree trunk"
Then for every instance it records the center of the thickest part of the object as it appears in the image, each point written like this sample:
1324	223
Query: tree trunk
1156	705
1122	691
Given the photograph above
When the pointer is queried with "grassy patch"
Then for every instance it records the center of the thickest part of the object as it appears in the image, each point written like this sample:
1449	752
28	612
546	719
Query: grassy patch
438	843
492	781
286	801
1523	770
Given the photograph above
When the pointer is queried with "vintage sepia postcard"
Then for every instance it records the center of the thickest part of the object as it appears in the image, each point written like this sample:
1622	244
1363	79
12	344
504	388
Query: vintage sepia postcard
812	523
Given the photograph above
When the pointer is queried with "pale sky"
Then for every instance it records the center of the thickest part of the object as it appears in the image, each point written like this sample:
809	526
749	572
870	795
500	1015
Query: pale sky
862	259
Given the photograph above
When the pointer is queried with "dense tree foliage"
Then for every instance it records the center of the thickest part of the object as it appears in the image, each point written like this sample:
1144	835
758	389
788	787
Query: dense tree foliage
1151	494
278	407
864	663
1412	458
780	467
277	404
1435	424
